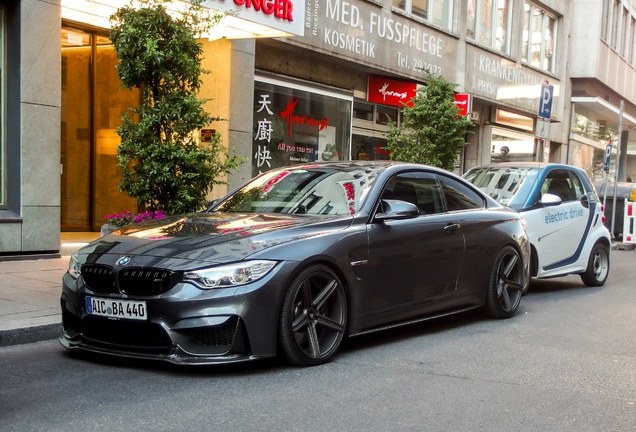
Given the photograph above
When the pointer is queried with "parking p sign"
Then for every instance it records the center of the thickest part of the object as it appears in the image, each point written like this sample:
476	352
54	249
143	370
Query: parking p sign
608	158
545	101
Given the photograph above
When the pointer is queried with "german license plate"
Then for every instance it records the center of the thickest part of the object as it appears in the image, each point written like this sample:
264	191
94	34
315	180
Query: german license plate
126	309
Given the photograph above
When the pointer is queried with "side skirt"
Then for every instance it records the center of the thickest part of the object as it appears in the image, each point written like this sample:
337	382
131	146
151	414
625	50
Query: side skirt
418	320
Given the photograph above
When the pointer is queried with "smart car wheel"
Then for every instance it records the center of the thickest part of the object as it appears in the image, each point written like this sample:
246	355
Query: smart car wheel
506	284
598	266
313	317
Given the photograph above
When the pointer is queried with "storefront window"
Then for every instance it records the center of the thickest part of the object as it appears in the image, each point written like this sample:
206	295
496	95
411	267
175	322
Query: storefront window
294	124
370	125
386	114
588	158
510	146
438	12
369	147
489	23
591	130
587	149
539	38
3	154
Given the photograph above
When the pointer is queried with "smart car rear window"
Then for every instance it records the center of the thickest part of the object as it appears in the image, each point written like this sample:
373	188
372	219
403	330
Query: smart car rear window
501	184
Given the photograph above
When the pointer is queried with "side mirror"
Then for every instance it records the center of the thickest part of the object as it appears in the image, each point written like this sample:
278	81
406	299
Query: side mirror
397	209
550	200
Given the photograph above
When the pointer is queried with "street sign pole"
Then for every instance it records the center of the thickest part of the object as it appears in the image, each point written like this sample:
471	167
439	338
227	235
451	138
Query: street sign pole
607	164
618	158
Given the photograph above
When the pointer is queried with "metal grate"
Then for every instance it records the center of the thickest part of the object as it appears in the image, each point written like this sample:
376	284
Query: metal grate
222	335
128	333
144	281
99	278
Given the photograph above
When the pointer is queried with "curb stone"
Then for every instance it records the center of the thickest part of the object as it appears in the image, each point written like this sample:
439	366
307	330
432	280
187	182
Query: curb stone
27	335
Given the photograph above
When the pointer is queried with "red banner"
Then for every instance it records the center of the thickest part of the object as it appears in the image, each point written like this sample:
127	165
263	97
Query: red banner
390	92
463	103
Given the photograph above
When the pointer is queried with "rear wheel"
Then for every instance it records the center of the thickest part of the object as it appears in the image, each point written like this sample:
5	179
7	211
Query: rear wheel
598	266
506	284
314	317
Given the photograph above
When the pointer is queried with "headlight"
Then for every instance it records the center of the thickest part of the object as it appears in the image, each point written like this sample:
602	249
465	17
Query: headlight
229	275
74	267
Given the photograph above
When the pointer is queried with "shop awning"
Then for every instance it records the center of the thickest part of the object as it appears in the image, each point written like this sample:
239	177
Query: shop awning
601	111
250	23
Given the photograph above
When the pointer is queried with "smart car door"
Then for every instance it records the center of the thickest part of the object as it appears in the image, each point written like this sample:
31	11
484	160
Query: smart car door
415	260
556	227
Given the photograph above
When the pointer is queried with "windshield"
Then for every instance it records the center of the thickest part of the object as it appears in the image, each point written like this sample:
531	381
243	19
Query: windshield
504	184
313	190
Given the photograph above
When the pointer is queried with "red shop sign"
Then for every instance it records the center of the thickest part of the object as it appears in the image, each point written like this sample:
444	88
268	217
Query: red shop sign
390	92
463	103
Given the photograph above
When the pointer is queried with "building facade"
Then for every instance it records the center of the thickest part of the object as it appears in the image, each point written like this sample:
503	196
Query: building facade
30	108
326	92
602	60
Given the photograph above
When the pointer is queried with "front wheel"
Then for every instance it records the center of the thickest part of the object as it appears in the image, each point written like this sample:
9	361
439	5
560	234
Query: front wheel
598	266
313	317
506	284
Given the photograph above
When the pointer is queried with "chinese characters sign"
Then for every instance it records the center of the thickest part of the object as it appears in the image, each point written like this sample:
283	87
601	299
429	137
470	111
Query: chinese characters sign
296	126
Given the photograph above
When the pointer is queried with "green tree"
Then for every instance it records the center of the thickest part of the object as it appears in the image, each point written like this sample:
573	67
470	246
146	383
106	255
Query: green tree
164	167
432	131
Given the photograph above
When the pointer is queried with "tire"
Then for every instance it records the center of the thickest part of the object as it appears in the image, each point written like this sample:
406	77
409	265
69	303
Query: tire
506	284
313	318
598	266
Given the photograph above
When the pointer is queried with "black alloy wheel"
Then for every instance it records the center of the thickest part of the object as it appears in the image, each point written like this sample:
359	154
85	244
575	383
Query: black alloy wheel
506	284
313	317
598	266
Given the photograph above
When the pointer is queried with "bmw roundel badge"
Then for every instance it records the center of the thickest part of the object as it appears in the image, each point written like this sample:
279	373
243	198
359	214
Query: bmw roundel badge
123	261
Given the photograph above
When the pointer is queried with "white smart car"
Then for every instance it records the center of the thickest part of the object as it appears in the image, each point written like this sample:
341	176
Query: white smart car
564	217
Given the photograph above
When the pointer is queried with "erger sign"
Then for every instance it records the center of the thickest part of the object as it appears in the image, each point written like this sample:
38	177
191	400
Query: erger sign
281	15
280	8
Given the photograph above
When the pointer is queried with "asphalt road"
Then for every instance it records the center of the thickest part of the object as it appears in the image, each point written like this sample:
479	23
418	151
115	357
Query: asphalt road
565	362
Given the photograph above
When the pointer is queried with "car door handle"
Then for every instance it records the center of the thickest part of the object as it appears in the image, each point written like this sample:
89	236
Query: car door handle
451	227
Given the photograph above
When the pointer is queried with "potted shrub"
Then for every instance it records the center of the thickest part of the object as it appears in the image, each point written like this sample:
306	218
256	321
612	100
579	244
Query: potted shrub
165	167
119	220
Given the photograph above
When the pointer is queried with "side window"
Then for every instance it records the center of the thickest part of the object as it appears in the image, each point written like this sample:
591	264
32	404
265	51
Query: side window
576	184
559	183
459	196
419	188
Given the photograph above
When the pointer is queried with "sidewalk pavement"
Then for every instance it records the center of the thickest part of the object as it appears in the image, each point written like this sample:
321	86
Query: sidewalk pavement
30	299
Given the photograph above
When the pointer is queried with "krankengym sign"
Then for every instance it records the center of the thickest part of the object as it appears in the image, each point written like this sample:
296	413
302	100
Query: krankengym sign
285	15
390	92
494	78
368	34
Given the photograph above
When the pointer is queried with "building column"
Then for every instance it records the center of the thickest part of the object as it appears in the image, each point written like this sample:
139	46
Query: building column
230	85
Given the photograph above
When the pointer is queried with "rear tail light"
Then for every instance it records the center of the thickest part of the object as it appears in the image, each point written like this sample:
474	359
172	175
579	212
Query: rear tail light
603	211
